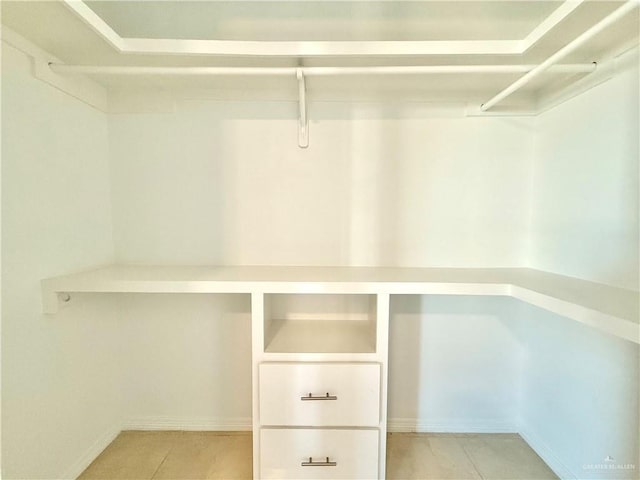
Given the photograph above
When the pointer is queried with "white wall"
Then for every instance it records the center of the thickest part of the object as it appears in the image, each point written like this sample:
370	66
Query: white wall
580	391
455	364
225	183
189	362
60	382
585	193
579	397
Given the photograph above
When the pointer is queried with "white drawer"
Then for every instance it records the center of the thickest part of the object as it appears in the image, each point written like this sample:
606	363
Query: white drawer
354	392
282	452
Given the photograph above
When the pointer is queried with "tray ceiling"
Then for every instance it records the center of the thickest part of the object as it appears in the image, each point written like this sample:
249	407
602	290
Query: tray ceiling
296	21
58	29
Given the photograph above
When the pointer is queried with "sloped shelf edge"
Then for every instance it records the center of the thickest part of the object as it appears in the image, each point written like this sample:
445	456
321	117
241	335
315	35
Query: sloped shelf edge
610	309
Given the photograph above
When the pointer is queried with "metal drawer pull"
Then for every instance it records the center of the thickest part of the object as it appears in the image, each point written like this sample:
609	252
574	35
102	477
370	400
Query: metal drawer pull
326	397
326	463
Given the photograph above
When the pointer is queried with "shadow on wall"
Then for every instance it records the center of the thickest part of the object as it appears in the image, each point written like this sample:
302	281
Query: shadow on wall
374	147
580	395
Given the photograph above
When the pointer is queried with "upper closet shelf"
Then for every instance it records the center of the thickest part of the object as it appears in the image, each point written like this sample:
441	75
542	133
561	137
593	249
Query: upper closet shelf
610	309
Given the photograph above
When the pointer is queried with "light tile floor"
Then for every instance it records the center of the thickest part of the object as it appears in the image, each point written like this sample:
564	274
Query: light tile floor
227	456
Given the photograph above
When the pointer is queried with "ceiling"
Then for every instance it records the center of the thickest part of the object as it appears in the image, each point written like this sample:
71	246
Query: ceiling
327	20
56	28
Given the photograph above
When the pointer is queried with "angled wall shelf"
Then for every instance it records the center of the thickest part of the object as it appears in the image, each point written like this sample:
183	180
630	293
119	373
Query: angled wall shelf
610	309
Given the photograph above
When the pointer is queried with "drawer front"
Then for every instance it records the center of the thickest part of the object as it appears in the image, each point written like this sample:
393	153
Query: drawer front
354	394
353	454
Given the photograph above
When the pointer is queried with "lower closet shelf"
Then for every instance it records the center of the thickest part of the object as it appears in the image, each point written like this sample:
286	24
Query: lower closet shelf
610	309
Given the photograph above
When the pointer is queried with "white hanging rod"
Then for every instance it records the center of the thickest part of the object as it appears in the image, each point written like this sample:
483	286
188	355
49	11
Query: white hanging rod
309	71
563	52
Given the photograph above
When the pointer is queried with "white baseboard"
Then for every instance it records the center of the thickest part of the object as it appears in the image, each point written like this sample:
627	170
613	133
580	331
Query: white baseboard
450	426
91	453
218	424
546	453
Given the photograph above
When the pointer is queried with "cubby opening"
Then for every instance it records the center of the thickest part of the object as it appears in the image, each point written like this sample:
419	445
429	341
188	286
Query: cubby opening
320	323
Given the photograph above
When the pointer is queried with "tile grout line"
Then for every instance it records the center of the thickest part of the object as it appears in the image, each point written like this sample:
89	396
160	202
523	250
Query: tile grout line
472	462
173	444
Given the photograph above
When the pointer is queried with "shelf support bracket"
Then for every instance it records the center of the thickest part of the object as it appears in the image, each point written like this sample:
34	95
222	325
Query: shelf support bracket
303	121
51	301
52	298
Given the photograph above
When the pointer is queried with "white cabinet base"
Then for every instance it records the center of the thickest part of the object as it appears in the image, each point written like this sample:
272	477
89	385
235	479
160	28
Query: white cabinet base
342	437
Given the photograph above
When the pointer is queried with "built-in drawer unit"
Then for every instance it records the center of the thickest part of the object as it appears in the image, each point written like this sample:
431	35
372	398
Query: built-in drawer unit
318	454
319	384
320	394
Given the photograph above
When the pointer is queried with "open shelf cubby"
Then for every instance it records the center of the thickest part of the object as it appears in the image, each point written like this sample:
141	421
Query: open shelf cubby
320	323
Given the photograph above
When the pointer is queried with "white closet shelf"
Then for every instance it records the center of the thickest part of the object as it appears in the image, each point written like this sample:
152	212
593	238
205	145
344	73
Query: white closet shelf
610	309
